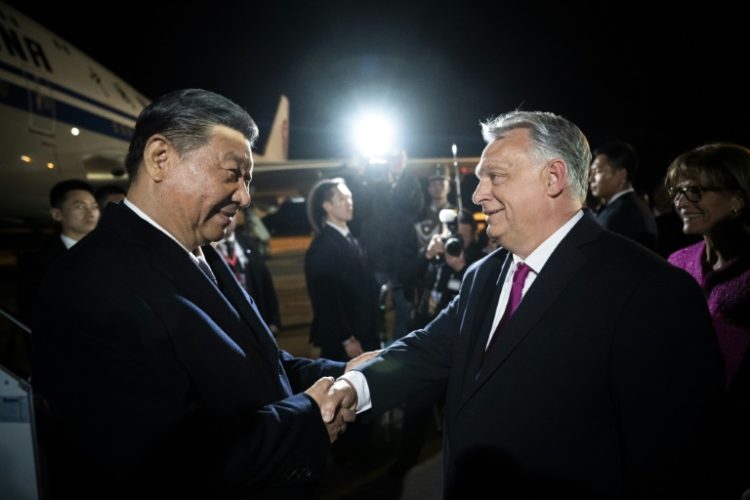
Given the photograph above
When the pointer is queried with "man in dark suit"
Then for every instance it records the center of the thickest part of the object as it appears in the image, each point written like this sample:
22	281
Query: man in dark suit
622	211
340	281
162	380
72	204
579	365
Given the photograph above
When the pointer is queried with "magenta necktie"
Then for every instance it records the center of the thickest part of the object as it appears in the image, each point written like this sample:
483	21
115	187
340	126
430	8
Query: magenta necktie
516	291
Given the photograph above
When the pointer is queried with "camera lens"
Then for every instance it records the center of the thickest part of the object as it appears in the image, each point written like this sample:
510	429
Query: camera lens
454	246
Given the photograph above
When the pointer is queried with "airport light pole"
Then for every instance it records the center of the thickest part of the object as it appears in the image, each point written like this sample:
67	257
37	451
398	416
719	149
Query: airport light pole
457	178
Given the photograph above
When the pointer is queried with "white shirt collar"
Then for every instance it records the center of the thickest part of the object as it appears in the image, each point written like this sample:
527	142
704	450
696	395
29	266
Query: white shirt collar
620	194
344	232
67	241
541	254
195	255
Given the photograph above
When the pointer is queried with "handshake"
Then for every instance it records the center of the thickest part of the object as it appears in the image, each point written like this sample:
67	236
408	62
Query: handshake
337	400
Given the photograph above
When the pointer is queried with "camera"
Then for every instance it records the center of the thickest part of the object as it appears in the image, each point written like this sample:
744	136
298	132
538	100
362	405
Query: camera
453	242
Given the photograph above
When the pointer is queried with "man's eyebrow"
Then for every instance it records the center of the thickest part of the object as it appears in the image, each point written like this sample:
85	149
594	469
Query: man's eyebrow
489	166
237	158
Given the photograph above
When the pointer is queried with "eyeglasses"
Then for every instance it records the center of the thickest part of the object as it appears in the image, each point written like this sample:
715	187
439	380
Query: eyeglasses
692	193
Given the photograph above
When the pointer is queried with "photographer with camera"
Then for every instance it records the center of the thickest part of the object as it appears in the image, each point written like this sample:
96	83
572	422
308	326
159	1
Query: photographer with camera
441	265
446	258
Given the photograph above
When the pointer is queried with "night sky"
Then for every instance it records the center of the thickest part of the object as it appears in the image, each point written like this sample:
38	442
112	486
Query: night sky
664	80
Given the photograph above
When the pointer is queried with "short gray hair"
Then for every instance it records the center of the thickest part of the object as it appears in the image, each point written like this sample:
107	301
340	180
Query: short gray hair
553	137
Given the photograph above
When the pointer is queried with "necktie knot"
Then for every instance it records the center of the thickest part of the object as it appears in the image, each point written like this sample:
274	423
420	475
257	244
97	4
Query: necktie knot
516	291
522	271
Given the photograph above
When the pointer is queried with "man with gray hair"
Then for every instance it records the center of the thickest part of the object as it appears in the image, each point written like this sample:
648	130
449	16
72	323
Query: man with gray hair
578	364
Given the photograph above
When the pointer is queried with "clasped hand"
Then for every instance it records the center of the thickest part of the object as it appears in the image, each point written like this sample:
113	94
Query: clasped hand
336	424
337	400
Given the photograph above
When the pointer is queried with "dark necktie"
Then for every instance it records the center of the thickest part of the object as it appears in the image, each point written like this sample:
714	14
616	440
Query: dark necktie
355	243
516	293
230	256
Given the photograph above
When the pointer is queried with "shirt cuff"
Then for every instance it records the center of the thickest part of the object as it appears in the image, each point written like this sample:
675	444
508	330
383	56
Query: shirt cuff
359	382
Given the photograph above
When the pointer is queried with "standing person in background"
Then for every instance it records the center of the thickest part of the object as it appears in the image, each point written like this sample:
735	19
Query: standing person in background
389	201
579	364
438	187
73	206
256	231
251	271
340	282
710	187
412	244
161	378
622	211
442	271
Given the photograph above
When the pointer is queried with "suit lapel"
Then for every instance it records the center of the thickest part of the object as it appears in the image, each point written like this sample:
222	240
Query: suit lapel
172	261
561	268
242	303
483	297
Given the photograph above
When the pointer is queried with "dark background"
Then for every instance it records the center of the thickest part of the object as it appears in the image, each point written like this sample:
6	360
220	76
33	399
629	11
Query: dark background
665	79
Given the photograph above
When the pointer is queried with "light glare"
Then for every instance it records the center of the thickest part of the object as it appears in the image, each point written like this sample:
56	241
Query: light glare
374	135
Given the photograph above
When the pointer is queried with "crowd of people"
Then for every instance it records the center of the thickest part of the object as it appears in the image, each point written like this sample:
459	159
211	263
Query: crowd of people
574	342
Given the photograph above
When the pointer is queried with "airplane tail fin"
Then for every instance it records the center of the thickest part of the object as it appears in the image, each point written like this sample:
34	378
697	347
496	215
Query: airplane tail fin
277	145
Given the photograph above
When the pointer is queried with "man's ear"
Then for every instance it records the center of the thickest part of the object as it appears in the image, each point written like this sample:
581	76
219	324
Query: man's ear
327	206
156	157
56	214
621	174
556	177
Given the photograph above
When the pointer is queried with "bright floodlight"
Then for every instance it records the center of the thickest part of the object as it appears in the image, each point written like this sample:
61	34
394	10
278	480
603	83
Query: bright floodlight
374	135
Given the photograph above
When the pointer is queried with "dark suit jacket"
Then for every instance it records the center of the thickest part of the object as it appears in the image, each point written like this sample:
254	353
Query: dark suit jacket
343	293
32	268
598	387
161	386
629	216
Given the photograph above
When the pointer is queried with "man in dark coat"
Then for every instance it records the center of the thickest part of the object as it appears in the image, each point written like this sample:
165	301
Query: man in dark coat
579	365
621	211
161	378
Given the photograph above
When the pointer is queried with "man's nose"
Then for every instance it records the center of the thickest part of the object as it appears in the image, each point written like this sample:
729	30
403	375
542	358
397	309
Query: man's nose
480	193
242	196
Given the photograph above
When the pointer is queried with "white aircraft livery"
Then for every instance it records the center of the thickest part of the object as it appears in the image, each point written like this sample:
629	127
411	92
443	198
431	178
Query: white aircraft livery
63	115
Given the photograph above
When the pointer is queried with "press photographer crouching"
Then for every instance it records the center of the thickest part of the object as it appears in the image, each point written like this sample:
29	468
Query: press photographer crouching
446	258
